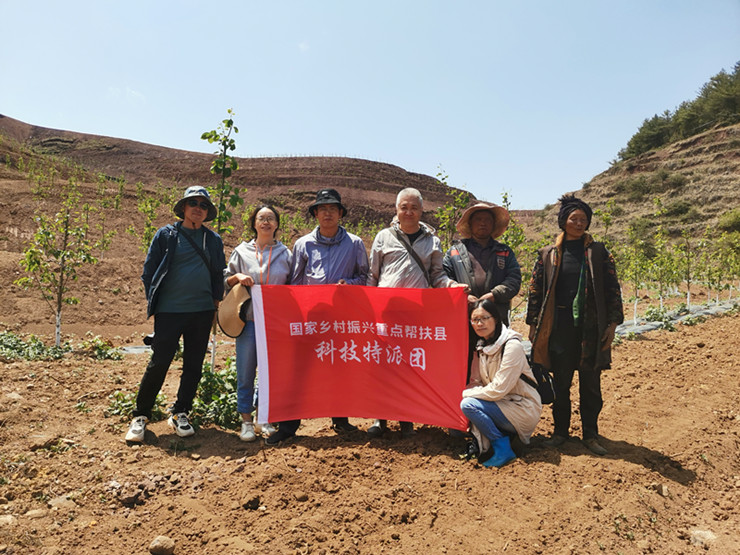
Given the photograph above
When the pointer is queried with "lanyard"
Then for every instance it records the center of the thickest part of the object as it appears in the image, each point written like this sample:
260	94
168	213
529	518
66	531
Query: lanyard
260	258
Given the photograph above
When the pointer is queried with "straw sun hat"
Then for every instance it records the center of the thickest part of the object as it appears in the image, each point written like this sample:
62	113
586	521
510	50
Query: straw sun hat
500	219
228	311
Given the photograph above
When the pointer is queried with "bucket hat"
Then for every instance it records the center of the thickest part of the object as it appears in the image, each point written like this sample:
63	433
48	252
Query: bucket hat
229	310
500	219
195	191
327	196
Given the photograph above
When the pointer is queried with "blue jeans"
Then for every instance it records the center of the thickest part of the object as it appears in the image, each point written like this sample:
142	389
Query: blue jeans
487	417
246	369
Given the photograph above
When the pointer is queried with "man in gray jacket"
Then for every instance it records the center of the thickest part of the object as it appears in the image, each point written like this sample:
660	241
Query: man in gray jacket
406	254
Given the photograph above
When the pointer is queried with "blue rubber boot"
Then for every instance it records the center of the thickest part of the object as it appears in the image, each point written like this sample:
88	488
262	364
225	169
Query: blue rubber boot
502	453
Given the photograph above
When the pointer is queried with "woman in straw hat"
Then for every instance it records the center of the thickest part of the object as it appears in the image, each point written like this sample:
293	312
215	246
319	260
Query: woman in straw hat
263	260
486	265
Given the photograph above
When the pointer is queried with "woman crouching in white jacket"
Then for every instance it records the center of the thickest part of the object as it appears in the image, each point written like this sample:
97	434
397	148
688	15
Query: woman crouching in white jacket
502	405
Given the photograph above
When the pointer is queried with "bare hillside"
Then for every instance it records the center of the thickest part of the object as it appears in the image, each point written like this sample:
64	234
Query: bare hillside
697	180
368	188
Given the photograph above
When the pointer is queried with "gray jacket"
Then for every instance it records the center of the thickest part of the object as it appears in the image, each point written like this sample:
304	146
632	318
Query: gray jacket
391	265
319	260
274	263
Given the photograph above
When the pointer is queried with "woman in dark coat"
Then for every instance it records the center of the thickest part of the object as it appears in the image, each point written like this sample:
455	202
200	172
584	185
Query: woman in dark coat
575	305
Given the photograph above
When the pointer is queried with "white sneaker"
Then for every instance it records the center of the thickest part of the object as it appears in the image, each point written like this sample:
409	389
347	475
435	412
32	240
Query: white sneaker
266	429
247	433
137	429
180	423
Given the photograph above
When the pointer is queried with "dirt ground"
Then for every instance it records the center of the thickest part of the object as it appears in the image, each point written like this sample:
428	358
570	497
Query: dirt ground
69	483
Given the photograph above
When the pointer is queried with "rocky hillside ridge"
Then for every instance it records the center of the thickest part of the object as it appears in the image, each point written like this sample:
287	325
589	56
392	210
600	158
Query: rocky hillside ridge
696	179
368	188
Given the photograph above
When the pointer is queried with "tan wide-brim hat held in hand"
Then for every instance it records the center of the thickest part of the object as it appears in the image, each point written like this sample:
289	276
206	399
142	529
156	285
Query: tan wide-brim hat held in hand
228	311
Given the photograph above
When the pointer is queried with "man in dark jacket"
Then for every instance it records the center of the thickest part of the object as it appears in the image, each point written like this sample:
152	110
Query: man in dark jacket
487	266
183	282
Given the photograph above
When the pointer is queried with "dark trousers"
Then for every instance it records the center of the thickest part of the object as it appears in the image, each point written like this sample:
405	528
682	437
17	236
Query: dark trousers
292	426
564	365
195	329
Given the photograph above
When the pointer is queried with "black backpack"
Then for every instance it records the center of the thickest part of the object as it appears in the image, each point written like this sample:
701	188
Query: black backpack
542	380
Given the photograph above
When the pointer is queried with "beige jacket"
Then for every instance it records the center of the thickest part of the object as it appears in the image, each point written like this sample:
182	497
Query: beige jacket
519	402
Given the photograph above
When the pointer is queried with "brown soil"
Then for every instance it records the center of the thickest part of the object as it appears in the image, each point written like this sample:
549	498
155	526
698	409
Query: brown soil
70	484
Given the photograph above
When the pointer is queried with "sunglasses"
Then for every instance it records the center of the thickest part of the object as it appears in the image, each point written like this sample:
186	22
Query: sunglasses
192	203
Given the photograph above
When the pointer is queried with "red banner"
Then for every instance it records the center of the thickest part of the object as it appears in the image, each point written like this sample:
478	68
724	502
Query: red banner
371	352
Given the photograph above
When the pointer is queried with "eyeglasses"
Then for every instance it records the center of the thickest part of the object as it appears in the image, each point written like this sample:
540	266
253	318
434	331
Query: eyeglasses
192	203
480	320
266	219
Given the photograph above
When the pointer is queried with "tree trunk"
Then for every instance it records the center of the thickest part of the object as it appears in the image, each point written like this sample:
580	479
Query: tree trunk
634	313
58	329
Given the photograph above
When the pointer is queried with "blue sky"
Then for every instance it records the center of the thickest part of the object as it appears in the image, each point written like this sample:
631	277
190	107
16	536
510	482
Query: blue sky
533	98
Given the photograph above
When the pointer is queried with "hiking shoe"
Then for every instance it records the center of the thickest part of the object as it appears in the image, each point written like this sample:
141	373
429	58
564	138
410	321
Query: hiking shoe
407	429
180	423
377	429
343	427
266	430
594	446
278	436
247	433
556	440
137	429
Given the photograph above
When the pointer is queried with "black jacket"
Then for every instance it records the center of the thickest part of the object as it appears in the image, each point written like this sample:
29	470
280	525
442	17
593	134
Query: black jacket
503	277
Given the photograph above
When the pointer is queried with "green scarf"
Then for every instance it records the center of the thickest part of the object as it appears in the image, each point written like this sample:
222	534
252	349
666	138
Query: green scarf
579	301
